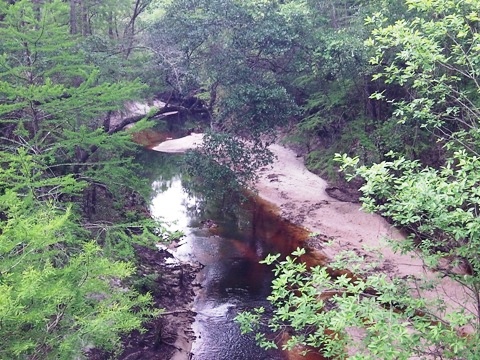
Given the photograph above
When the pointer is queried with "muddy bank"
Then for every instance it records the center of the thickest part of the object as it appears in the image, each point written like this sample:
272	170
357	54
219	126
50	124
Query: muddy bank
172	285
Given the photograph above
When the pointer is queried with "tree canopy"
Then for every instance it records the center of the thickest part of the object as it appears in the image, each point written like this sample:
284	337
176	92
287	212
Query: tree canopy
423	62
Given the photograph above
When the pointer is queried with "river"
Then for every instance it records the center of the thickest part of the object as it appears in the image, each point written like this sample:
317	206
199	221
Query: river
232	280
230	246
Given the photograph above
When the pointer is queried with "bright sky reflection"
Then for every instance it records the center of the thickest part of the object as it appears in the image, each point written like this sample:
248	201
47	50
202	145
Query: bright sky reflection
171	204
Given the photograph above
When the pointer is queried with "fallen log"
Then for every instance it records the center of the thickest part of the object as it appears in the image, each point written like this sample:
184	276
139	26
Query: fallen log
162	112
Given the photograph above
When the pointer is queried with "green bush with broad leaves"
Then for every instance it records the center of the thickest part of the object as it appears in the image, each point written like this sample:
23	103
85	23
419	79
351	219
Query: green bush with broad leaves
366	316
432	55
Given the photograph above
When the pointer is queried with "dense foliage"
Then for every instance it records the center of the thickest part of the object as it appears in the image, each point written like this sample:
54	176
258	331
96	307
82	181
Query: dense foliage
396	90
60	295
365	317
258	65
232	54
427	63
63	256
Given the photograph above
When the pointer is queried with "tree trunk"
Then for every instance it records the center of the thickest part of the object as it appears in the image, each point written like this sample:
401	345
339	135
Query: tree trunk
73	17
111	33
84	18
129	32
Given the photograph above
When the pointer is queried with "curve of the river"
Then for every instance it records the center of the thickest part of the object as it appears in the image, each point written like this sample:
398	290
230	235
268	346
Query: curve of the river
232	280
299	196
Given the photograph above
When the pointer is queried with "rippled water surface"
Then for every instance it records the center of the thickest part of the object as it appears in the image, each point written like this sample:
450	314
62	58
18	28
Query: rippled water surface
232	280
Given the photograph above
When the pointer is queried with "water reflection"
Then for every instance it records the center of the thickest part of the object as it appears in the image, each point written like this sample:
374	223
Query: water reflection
172	204
232	279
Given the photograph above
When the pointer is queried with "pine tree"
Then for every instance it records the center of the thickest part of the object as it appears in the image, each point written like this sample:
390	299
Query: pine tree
60	294
52	102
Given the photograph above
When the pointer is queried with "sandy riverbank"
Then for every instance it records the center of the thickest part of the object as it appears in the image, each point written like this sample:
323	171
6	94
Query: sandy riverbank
301	198
300	195
178	146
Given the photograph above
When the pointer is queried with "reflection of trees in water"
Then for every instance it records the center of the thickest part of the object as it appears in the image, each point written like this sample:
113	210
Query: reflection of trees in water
225	166
216	183
238	277
238	214
213	199
157	166
219	197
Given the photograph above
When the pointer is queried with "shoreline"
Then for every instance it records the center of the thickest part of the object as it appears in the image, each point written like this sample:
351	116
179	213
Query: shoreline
301	198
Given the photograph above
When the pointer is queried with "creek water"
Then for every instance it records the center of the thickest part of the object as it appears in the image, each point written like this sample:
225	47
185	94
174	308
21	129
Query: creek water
230	246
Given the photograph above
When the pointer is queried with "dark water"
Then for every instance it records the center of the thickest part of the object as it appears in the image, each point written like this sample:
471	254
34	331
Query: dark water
232	279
